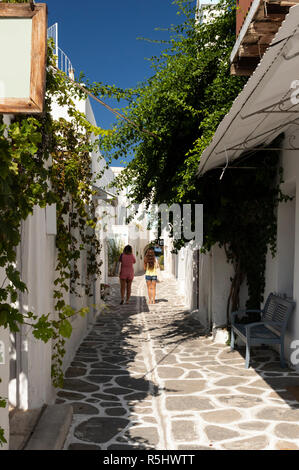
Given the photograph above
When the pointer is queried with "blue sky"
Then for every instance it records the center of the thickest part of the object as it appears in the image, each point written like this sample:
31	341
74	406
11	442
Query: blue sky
100	39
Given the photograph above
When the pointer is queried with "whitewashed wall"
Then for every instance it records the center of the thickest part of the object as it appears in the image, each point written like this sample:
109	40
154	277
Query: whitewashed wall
5	367
205	290
186	279
80	325
214	273
36	262
282	272
4	376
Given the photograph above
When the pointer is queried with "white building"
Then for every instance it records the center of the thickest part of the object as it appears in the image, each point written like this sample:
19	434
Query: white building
267	106
135	232
203	13
25	362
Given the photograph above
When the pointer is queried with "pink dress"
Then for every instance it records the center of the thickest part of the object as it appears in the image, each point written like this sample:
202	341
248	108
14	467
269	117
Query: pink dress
127	269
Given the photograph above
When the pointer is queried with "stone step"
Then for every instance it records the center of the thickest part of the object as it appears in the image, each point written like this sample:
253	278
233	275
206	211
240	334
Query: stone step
52	428
22	424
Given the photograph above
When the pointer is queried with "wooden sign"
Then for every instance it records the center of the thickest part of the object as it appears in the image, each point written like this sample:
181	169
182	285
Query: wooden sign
23	53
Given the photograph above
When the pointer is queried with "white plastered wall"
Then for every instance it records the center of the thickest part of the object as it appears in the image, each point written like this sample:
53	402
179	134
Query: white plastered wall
214	285
36	262
282	271
4	376
186	277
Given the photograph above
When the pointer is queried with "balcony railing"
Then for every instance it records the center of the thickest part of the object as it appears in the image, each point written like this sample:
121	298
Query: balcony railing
62	61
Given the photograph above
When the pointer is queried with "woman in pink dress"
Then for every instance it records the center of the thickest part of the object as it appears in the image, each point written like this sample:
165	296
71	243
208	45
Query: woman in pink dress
126	276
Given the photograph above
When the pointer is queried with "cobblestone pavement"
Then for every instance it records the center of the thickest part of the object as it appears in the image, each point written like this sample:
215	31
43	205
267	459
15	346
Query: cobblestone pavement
146	377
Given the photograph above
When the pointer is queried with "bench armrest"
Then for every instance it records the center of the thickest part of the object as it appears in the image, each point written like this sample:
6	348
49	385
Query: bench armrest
252	325
265	323
234	314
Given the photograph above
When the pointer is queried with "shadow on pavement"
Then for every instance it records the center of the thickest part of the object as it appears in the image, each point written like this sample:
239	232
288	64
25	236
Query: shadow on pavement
107	386
271	379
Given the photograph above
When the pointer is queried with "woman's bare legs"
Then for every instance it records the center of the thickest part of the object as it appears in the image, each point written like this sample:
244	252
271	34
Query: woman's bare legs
151	288
122	289
154	283
129	289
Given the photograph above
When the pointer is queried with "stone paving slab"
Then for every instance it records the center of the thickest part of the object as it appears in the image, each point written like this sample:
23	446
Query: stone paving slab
146	377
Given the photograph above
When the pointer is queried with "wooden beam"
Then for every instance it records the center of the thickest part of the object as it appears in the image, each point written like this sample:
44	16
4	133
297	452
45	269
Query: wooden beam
252	50
264	27
276	16
283	3
276	9
19	10
244	65
254	38
241	71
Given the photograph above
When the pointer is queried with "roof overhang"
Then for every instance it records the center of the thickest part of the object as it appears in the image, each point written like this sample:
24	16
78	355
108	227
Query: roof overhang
260	24
267	105
104	195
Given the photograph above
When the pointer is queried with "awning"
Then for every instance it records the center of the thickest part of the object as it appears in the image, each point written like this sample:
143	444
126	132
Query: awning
104	195
267	105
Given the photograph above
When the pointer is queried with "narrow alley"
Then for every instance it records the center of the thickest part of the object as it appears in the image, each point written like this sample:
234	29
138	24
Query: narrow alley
157	140
146	377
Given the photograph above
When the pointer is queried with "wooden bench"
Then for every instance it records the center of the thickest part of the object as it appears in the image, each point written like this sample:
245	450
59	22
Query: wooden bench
270	330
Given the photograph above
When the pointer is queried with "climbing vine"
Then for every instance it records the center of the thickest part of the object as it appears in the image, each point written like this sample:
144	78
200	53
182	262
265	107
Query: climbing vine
2	437
240	215
46	161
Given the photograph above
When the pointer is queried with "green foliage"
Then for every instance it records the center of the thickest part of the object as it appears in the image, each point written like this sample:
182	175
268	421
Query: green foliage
190	92
45	161
161	262
182	103
115	249
240	215
2	438
3	404
2	401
